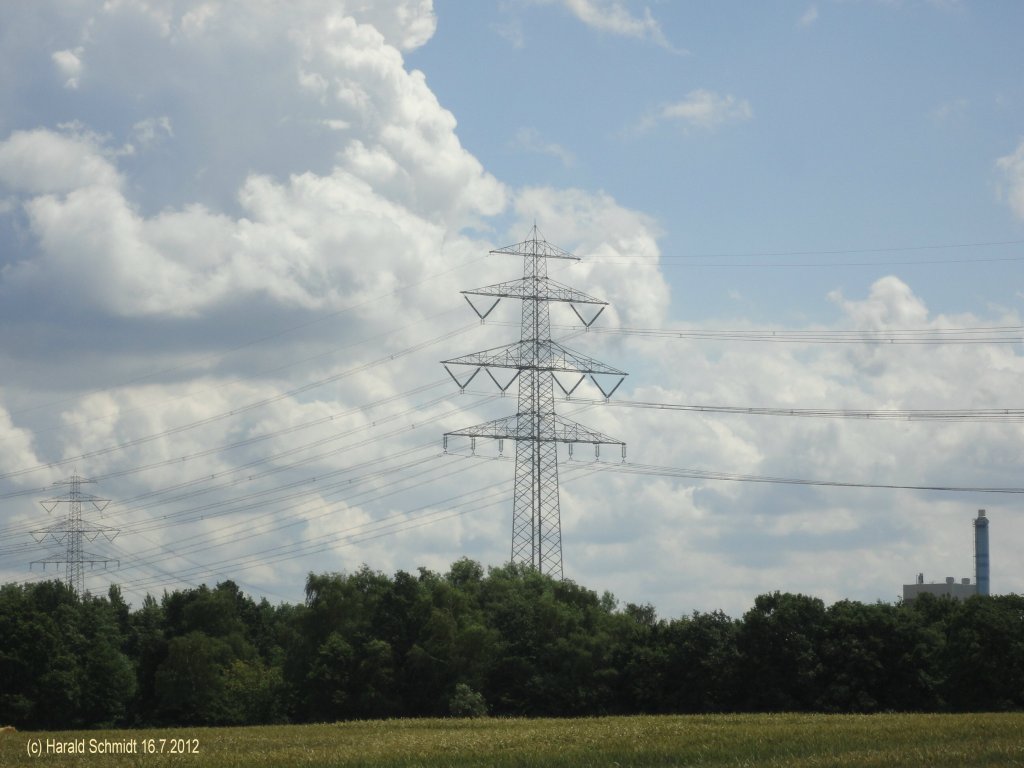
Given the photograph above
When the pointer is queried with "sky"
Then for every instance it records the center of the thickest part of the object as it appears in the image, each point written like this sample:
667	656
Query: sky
233	237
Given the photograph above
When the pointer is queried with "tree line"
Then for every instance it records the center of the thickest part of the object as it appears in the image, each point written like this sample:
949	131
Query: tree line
508	641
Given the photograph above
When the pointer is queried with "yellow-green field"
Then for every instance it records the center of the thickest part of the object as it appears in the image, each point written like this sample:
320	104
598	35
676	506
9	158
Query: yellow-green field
713	740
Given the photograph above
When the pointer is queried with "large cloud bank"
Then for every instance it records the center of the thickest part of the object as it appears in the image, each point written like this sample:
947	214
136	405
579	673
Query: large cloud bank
235	234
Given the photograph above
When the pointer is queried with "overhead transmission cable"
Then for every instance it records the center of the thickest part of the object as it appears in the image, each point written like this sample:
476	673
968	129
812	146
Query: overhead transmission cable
277	334
1010	415
998	334
221	384
240	409
630	468
245	442
306	546
181	517
392	487
672	260
212	539
125	507
698	474
349	538
175	517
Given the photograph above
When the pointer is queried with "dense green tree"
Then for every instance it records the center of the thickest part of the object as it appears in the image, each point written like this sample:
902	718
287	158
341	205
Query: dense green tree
109	675
147	646
253	693
190	683
984	654
465	702
374	681
701	665
778	641
42	646
877	657
328	682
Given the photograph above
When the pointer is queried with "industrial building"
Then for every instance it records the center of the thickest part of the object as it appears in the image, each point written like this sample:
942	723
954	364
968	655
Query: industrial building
964	588
949	588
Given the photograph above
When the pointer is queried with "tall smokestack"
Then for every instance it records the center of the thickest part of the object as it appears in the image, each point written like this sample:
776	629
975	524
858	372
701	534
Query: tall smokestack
981	552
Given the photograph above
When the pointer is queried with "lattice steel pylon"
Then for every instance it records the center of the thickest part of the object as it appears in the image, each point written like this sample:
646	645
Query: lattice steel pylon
71	530
536	428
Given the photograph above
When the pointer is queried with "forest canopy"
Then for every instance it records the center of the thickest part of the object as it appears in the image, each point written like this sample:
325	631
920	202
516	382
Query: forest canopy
470	642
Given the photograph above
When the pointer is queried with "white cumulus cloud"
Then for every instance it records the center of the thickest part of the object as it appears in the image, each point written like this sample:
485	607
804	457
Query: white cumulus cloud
809	16
42	161
1012	168
612	17
530	140
706	109
69	64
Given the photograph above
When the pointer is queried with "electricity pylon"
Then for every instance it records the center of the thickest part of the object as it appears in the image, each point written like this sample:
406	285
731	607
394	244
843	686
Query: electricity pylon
536	428
71	530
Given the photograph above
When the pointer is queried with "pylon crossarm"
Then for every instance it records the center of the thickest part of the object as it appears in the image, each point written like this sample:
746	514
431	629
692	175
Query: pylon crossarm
524	427
54	559
573	432
536	355
540	289
504	428
565	359
93	559
535	246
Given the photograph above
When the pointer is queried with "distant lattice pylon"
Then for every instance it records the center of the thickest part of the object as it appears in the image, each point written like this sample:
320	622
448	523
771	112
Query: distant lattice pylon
71	531
536	428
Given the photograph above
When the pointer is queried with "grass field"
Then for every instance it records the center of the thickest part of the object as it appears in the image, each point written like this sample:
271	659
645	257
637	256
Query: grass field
713	740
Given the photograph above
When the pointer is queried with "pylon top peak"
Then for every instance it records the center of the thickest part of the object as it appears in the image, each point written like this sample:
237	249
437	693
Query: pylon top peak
75	479
536	246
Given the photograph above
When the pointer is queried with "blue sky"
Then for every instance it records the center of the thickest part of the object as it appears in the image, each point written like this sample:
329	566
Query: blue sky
853	125
233	236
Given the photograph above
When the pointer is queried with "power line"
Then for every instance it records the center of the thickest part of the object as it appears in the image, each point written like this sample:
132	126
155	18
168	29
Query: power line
196	514
263	436
1007	334
240	409
958	414
195	394
393	523
699	474
355	535
663	258
175	517
654	470
282	332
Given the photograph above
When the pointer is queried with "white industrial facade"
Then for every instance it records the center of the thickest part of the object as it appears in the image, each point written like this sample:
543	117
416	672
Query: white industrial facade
949	588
